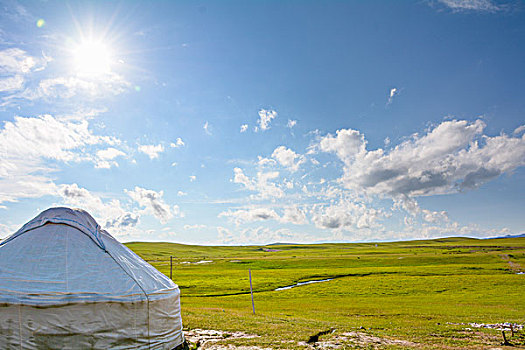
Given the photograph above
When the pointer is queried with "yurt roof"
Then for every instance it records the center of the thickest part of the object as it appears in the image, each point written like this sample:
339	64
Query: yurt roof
63	256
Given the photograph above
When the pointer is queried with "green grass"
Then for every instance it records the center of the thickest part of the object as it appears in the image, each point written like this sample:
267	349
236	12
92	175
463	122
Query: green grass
417	291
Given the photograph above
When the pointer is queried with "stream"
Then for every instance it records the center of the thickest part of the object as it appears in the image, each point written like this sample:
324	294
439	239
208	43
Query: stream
302	284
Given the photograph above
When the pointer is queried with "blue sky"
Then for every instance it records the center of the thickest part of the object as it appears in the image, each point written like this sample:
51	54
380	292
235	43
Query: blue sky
243	122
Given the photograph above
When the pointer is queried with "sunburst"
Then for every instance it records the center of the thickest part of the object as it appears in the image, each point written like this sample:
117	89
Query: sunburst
92	58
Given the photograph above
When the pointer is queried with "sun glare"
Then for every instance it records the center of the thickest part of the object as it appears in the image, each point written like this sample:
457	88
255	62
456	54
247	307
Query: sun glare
92	57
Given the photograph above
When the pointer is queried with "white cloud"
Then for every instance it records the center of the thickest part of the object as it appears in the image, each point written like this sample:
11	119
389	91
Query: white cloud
291	214
472	5
356	206
28	144
294	215
519	130
123	224
286	157
409	221
80	197
250	215
265	118
106	157
11	84
152	151
411	206
67	87
330	191
178	143
110	153
104	164
291	123
240	178
16	66
446	159
261	236
244	127
167	234
261	184
45	136
6	230
110	214
25	185
408	204
17	13
346	144
266	188
181	194
207	128
15	61
346	214
261	161
177	212
83	113
435	216
153	203
195	227
225	236
393	92
193	178
447	228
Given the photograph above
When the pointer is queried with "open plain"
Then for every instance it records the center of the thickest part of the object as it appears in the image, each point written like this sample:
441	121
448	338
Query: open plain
451	293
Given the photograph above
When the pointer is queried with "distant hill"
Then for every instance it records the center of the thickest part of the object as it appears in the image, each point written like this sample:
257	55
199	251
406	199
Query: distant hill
282	243
522	235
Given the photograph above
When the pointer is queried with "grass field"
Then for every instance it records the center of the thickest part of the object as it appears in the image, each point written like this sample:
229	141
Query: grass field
424	292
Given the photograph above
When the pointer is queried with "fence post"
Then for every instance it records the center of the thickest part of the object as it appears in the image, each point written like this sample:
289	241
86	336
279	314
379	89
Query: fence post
251	290
171	267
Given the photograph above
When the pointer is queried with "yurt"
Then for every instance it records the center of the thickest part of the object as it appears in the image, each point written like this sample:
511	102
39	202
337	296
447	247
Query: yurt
67	284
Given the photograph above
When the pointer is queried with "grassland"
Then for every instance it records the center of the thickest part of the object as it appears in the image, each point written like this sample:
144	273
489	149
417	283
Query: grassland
425	292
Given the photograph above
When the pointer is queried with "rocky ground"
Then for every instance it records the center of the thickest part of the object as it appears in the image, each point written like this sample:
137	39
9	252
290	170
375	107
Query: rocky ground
218	340
214	340
221	340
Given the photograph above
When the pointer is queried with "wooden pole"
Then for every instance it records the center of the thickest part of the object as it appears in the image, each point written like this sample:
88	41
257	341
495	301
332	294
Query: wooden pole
251	290
505	341
171	267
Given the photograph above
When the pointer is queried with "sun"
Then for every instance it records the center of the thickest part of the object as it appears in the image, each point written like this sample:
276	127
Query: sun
92	58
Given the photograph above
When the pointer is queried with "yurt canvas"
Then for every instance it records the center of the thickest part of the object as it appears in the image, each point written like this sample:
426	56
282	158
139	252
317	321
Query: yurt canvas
67	284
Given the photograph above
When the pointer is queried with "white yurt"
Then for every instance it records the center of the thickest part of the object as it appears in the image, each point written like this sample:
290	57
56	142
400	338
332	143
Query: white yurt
67	284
